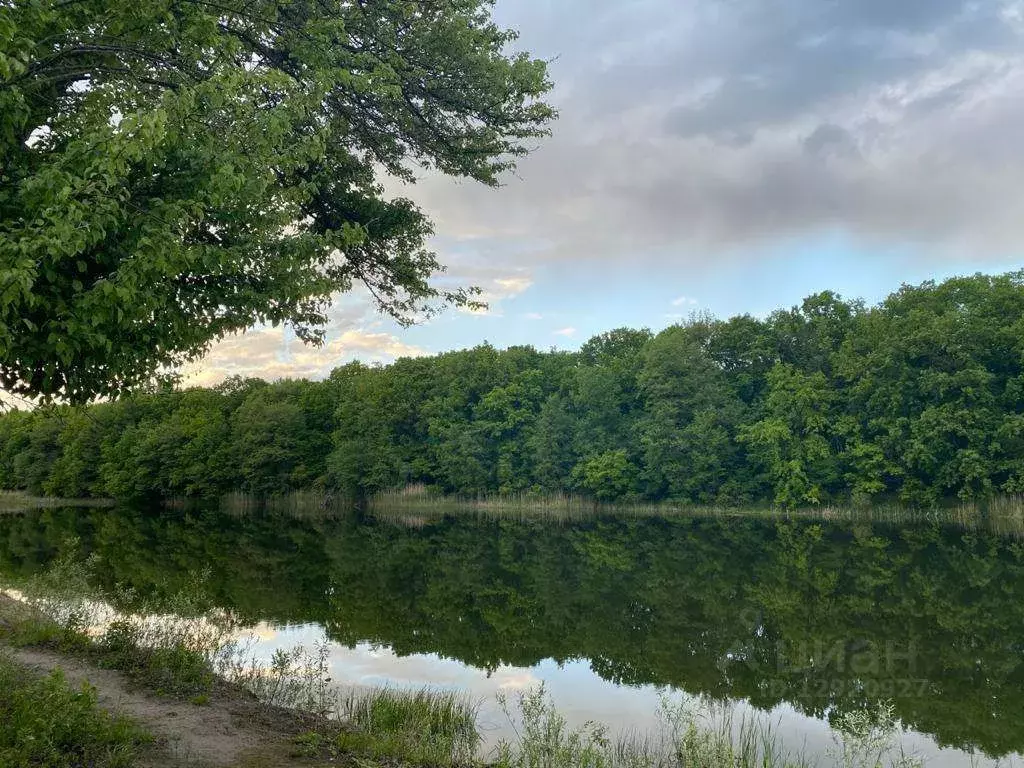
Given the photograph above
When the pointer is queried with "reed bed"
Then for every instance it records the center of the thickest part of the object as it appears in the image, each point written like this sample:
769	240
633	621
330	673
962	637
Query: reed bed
1003	515
419	505
12	502
424	726
689	733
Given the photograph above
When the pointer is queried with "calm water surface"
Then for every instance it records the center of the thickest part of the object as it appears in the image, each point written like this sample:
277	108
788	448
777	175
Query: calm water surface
790	621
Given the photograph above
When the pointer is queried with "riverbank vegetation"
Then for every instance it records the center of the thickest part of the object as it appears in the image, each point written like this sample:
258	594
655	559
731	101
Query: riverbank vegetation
818	617
1002	515
919	399
376	727
46	722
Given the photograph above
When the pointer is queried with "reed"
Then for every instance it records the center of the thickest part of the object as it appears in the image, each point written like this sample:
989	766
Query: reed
12	502
298	504
1003	515
423	727
689	733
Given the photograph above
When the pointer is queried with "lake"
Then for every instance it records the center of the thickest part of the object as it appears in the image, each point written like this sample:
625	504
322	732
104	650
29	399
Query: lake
793	621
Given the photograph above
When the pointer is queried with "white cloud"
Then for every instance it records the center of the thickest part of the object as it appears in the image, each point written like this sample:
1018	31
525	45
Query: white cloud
513	286
570	331
684	300
495	287
269	353
533	316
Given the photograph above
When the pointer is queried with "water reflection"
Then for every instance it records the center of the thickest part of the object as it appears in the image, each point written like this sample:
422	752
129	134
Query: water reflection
576	690
800	619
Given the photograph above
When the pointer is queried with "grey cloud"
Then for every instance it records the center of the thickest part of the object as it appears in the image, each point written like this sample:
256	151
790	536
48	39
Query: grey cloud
829	139
775	55
699	131
690	128
788	57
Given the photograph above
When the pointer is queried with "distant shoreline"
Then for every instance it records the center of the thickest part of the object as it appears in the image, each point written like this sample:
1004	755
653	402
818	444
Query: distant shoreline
418	505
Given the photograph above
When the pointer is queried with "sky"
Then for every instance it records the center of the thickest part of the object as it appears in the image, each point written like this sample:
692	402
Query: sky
722	156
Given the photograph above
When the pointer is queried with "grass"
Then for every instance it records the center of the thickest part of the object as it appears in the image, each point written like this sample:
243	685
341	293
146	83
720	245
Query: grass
422	727
415	505
293	679
298	504
169	646
19	501
418	505
47	723
166	667
689	735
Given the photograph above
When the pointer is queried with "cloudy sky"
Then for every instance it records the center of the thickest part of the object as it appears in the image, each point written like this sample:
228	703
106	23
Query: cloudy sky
722	155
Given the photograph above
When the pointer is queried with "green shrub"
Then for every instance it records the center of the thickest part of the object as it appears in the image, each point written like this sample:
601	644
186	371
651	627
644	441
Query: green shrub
47	723
167	669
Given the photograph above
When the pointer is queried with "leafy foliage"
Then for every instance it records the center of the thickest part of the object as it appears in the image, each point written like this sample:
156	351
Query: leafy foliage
918	400
174	171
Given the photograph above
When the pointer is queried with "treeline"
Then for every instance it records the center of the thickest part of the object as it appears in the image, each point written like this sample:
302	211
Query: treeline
919	398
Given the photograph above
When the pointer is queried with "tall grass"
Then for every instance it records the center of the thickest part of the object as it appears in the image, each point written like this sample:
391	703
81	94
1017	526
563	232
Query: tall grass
292	679
18	501
423	727
685	736
45	722
418	505
170	644
1003	515
689	735
298	504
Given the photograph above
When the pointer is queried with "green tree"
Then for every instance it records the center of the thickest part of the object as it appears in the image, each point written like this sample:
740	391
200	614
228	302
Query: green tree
932	383
507	415
36	448
365	457
271	442
608	476
551	445
688	418
605	392
175	171
75	472
793	440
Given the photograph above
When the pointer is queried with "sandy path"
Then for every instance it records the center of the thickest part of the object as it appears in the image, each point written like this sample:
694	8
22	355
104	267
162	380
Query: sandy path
222	733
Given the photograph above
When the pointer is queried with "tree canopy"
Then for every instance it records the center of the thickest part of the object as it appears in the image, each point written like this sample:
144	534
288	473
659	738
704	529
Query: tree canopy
918	399
175	170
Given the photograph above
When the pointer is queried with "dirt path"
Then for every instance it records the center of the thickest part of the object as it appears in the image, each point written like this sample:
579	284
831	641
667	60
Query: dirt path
229	731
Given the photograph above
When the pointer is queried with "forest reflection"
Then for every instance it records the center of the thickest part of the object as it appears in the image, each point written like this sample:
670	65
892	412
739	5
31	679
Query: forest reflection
828	618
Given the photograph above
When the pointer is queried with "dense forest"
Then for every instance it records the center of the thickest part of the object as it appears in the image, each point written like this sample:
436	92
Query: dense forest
920	398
